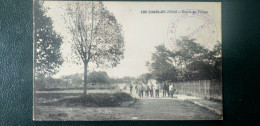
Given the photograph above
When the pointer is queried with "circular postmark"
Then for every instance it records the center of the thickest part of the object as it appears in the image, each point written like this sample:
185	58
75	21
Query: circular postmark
194	24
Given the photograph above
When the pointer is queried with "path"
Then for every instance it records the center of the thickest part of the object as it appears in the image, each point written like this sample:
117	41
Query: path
143	109
212	106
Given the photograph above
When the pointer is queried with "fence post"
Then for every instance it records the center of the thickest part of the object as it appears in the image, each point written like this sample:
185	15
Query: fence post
199	88
212	89
188	87
209	88
194	88
205	89
182	88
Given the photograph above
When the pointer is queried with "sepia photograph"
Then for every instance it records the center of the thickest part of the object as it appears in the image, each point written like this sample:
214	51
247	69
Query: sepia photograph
127	60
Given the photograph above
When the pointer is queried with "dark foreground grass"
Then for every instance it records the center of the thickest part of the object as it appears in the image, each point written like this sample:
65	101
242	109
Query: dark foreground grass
95	100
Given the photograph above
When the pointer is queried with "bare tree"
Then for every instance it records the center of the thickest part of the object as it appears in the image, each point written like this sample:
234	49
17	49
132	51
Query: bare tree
96	35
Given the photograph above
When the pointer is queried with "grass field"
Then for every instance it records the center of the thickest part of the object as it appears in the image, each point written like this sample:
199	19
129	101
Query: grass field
90	100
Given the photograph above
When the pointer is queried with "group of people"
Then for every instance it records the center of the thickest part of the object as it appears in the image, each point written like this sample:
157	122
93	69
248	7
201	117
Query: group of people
152	88
168	90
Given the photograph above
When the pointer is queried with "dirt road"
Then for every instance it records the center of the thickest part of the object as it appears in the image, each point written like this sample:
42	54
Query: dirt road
144	109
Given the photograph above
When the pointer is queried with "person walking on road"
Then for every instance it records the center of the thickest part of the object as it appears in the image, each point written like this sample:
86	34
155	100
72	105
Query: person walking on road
152	83
147	90
151	89
141	90
157	87
167	89
131	88
171	90
164	89
136	89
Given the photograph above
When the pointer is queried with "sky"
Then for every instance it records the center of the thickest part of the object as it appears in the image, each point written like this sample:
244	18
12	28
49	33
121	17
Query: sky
143	31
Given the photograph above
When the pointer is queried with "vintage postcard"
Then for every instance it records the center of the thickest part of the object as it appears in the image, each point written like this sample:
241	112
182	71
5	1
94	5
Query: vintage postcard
115	60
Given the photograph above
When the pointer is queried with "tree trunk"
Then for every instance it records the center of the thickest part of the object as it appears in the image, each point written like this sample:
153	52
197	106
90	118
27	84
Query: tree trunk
85	78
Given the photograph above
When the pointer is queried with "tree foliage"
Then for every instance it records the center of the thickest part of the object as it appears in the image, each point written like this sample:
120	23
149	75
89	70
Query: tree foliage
145	77
96	35
75	79
190	61
125	79
48	42
161	66
98	77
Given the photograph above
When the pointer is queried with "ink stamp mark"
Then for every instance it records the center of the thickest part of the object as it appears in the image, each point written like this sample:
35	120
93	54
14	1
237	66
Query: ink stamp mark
194	24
